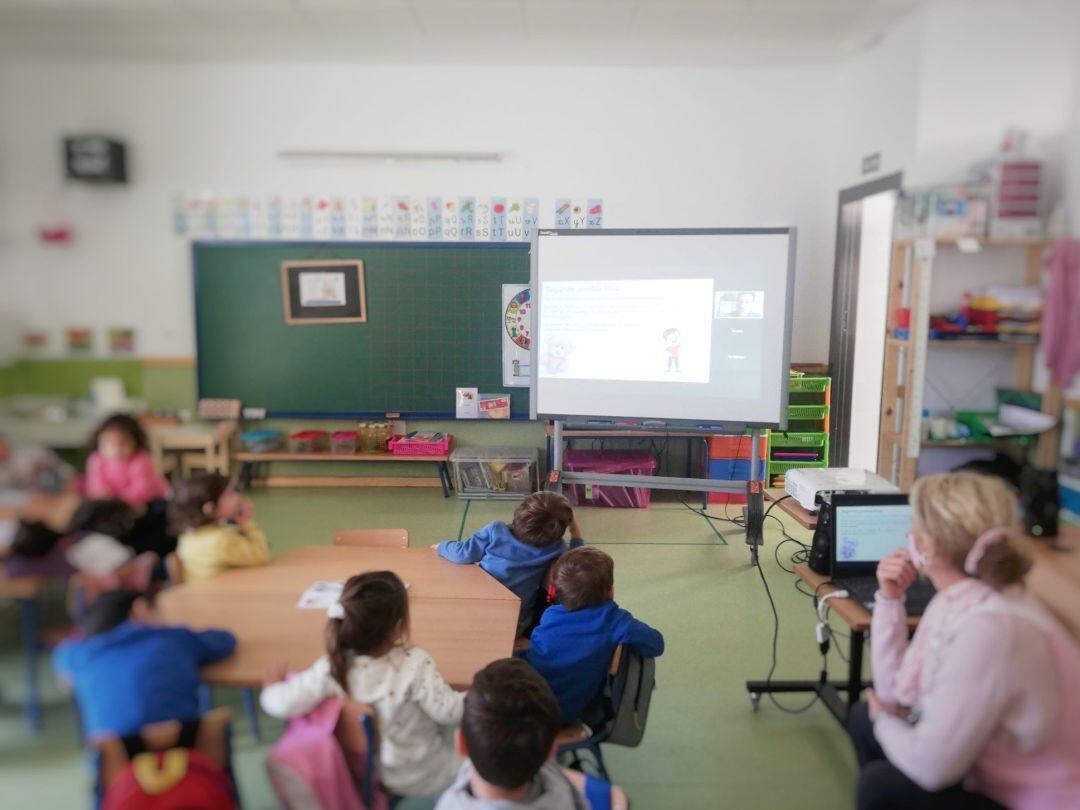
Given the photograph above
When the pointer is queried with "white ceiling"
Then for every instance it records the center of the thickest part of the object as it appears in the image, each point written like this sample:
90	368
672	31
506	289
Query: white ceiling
577	31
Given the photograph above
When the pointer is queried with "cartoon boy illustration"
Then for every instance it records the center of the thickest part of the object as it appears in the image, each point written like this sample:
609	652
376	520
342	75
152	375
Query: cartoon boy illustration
671	346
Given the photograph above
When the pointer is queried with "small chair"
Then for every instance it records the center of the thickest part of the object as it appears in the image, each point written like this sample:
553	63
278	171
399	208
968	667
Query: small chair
629	686
212	739
373	538
355	733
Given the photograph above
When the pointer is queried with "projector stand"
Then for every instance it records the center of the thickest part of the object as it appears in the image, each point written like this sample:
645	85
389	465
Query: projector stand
755	499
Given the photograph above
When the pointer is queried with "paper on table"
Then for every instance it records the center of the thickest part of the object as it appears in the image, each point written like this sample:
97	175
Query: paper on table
322	594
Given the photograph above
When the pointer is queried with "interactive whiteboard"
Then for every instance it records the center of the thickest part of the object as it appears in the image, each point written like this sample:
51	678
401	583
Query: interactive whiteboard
674	325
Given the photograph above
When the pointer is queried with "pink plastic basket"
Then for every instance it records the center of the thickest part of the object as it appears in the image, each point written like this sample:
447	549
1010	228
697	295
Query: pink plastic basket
400	447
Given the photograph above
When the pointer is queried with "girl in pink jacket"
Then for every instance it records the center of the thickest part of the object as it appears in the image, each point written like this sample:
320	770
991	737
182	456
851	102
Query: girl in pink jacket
120	466
979	709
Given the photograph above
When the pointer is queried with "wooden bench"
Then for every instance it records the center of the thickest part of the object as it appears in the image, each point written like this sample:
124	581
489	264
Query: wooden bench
249	461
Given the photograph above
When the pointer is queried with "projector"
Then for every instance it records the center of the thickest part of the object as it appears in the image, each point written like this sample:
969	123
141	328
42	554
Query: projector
806	484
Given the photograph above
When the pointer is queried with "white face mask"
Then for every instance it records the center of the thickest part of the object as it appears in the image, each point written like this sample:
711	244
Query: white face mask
918	559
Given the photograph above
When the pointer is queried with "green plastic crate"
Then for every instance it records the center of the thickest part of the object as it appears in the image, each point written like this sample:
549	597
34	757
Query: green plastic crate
813	439
807	411
779	467
806	385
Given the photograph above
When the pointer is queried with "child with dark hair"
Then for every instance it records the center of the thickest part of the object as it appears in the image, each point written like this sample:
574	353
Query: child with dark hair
573	645
130	671
215	527
508	732
120	466
519	555
368	659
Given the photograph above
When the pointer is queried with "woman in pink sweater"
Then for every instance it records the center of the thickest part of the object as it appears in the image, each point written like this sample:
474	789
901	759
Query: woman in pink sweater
120	466
979	709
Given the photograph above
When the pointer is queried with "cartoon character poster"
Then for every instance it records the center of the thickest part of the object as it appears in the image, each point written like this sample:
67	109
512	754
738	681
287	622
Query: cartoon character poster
517	335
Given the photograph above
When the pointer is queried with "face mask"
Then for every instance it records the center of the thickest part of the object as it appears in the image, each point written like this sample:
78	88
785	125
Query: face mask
918	559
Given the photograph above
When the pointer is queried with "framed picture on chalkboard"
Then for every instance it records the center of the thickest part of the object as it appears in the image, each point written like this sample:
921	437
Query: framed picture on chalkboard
323	291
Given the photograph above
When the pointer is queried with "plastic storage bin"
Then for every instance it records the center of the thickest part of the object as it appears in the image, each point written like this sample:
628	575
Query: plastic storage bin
343	442
309	441
728	447
420	445
618	462
262	441
725	469
508	473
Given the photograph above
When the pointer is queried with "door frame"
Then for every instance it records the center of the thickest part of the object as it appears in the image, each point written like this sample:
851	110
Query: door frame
842	331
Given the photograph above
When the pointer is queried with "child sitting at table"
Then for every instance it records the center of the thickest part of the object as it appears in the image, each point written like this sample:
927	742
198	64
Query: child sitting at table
573	645
508	733
120	465
368	658
129	671
215	527
519	555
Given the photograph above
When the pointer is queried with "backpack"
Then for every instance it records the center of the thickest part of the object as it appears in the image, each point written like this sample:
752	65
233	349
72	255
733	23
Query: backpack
630	691
308	768
178	778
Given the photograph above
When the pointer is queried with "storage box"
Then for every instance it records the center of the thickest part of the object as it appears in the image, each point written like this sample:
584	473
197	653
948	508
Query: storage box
615	462
343	442
422	444
309	441
262	441
730	470
507	473
728	447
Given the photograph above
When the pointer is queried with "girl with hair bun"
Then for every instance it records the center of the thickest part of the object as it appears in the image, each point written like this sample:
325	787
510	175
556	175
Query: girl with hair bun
979	709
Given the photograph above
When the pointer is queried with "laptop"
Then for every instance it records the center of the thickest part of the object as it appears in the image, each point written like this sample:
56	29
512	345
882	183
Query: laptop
867	528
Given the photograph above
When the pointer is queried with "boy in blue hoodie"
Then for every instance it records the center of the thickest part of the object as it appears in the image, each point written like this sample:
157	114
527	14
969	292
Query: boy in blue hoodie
573	645
129	672
519	555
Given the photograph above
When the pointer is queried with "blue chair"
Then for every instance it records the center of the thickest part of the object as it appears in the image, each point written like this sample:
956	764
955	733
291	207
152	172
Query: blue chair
357	736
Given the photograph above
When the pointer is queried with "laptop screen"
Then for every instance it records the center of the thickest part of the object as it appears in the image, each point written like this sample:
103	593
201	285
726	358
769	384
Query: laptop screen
868	532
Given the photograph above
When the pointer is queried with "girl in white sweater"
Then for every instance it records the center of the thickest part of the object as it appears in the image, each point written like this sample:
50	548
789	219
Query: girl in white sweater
369	660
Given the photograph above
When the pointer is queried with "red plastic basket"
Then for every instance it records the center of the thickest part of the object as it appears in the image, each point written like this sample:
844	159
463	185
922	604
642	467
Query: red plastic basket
399	447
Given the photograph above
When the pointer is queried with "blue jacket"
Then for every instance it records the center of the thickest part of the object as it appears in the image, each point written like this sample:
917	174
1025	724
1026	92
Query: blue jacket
518	566
573	649
137	674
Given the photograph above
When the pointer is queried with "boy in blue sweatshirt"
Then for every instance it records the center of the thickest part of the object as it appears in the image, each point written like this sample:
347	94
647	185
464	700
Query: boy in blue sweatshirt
519	555
129	672
577	636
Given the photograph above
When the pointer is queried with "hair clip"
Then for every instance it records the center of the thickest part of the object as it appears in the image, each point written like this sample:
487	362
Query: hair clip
978	551
336	611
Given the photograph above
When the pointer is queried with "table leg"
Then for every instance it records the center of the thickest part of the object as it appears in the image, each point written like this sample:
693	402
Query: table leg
855	657
243	477
28	630
444	476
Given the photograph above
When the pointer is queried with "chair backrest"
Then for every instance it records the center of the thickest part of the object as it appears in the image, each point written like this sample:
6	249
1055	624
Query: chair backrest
211	740
630	686
373	538
174	568
213	410
357	736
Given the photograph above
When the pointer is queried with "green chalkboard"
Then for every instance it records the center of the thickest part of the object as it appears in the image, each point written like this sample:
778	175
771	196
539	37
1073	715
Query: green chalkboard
434	323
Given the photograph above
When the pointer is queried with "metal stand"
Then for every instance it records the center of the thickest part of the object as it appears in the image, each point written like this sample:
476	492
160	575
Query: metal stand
752	486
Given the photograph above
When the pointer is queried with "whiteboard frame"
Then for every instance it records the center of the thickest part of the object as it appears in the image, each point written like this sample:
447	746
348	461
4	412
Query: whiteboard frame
645	421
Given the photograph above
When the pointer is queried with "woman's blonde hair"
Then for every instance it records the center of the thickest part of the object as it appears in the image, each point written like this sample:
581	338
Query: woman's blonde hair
956	508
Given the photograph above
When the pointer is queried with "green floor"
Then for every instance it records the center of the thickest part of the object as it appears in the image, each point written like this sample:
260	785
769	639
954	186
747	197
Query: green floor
704	748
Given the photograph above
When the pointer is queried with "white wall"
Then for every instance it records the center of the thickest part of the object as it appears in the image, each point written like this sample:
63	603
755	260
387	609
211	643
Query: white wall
663	147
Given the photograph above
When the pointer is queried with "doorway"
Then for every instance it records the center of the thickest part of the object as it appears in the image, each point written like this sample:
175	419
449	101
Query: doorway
857	343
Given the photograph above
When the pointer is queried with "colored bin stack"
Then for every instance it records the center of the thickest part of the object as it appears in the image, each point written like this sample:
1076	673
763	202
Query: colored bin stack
729	460
806	442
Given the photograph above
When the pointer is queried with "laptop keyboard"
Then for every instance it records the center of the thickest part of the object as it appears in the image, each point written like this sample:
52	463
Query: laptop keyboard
863	589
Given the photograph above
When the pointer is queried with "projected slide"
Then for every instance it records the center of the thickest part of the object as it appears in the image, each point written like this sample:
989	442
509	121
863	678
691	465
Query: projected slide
628	330
672	325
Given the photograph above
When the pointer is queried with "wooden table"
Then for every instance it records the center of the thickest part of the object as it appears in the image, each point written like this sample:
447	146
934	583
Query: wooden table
785	503
458	613
208	439
249	460
858	619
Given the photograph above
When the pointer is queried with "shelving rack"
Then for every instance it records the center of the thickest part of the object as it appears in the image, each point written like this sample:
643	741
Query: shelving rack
910	277
808	427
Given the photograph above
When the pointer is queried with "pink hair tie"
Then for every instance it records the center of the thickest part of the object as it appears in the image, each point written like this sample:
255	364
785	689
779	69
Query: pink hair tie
978	551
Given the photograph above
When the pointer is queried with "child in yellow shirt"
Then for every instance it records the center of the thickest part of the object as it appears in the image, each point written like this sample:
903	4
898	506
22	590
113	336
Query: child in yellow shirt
215	527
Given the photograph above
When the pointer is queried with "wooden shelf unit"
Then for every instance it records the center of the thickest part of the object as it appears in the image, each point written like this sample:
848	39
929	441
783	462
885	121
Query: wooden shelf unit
903	381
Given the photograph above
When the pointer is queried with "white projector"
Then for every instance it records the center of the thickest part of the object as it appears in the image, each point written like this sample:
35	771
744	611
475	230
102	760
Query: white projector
804	484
